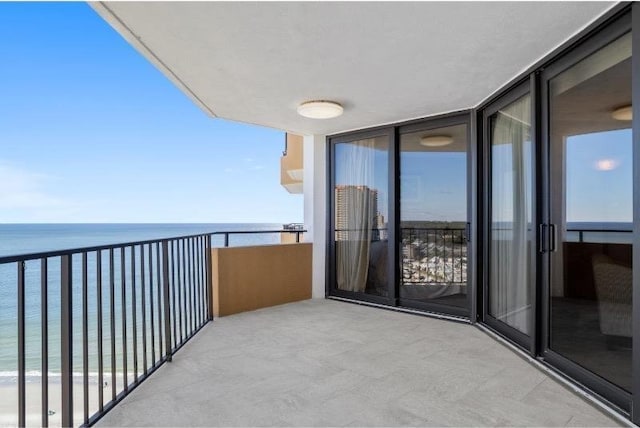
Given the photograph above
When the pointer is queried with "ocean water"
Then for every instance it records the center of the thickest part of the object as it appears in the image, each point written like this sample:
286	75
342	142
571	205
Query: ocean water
31	238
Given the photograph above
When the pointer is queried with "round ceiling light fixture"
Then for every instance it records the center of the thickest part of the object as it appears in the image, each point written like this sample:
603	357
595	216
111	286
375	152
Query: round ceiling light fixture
606	164
320	109
436	140
623	113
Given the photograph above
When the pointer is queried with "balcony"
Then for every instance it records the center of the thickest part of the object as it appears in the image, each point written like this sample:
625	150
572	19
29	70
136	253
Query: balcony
315	362
98	321
330	363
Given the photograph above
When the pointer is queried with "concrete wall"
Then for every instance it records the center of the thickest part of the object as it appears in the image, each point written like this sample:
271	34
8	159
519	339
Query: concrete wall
315	206
249	278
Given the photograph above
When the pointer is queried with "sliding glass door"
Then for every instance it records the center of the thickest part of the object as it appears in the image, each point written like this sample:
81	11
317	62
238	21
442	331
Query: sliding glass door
509	247
434	215
400	216
590	217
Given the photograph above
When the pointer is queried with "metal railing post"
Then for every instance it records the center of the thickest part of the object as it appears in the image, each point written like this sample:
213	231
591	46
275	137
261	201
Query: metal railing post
167	307
209	280
226	239
22	397
66	340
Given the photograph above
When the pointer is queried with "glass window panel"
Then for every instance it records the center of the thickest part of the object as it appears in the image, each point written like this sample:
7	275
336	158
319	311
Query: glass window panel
361	212
591	206
433	215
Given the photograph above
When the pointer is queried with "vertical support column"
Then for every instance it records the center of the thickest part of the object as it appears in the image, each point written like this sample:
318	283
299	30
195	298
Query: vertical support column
393	217
315	206
167	307
474	188
66	339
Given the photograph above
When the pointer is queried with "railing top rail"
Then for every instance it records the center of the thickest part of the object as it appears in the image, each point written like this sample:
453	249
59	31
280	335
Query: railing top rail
601	230
71	251
432	228
89	249
240	232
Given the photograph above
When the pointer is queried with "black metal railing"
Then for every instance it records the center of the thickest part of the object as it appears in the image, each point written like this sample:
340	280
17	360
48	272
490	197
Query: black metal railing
586	232
429	255
227	233
139	302
108	315
434	255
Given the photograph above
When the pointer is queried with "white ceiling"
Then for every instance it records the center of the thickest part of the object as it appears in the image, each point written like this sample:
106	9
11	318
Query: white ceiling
385	62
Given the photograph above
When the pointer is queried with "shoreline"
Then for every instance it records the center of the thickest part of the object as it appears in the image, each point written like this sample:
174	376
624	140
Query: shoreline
9	403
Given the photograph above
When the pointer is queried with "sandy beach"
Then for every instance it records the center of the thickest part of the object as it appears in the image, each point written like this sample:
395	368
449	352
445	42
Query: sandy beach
9	400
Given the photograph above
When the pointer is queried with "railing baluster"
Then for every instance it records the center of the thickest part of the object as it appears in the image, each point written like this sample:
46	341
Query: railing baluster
167	307
209	279
100	321
22	396
44	323
158	270
180	314
134	315
201	278
85	339
196	283
191	290
123	302
66	339
151	304
184	290
173	291
145	365
112	321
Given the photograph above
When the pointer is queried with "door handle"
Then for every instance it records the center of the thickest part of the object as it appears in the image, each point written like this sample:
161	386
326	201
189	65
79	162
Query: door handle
542	241
553	238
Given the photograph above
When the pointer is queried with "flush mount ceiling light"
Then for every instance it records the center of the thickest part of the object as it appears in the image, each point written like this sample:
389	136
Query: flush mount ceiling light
622	113
320	109
606	164
436	140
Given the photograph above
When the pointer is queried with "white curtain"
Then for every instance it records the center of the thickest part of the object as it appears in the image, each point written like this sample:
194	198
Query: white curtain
356	201
511	214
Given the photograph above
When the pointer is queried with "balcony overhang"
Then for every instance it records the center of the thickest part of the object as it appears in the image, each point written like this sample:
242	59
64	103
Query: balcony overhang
384	62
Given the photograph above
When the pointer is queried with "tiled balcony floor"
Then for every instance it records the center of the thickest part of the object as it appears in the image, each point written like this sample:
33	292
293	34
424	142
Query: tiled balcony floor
329	363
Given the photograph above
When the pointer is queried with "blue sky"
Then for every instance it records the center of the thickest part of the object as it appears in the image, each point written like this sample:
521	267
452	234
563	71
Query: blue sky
90	131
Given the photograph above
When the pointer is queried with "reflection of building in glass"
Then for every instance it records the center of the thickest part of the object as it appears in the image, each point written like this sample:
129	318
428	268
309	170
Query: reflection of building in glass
356	210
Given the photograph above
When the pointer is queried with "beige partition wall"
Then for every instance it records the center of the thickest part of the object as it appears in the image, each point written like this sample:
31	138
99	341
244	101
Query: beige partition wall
249	278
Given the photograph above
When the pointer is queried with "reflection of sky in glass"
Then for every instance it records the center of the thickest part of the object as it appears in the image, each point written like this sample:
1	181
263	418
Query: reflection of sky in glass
599	183
433	186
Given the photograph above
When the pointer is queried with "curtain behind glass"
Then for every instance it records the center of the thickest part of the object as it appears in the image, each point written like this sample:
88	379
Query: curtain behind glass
355	214
509	299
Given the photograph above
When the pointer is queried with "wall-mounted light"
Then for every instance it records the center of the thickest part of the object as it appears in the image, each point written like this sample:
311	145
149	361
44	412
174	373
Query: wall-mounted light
623	113
436	140
320	109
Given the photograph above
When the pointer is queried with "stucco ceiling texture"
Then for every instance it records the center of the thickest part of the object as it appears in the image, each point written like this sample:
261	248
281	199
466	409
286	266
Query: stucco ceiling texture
384	62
